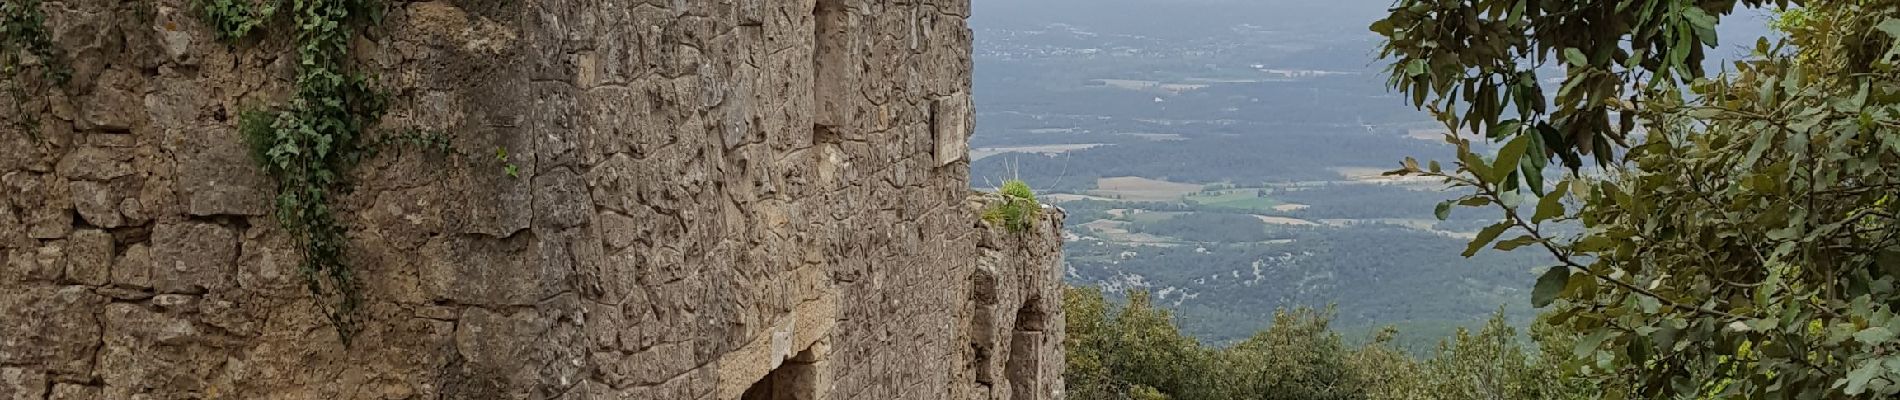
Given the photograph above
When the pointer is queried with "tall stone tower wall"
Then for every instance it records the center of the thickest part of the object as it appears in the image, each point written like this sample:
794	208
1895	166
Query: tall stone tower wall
712	199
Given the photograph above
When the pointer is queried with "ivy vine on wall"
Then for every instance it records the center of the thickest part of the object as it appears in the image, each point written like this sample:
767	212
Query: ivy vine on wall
25	45
308	145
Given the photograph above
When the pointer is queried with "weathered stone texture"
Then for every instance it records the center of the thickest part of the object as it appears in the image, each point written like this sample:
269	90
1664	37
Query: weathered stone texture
715	200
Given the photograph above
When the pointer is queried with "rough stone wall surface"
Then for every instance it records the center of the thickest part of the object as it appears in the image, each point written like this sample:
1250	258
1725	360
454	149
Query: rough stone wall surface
717	199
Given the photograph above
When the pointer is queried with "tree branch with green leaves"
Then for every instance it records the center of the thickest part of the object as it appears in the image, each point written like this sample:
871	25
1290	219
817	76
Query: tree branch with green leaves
1738	229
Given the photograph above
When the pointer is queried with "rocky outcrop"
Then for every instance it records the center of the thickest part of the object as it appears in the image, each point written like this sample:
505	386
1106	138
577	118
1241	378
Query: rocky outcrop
715	200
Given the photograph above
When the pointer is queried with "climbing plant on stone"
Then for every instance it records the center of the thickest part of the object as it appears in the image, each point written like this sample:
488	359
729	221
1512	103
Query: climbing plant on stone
25	45
309	145
234	19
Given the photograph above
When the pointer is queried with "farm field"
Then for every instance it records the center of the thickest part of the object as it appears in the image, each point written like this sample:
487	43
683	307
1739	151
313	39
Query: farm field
1068	197
1132	188
1149	217
1117	232
1050	149
1241	198
1272	220
1290	207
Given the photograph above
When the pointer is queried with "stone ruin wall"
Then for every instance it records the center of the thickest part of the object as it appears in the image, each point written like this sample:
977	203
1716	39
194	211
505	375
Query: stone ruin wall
717	199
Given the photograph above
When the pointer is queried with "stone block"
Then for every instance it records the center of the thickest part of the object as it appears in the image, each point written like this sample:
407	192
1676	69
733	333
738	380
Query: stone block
561	200
89	257
470	269
51	223
97	203
493	342
54	330
836	63
192	257
95	164
112	106
49	262
134	268
218	177
147	352
268	260
21	384
67	391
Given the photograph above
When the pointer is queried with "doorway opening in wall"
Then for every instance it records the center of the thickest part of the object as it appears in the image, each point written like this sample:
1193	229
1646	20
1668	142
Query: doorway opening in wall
795	379
1025	352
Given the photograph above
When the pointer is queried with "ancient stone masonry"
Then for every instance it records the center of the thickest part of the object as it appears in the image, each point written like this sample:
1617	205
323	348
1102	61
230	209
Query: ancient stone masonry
716	199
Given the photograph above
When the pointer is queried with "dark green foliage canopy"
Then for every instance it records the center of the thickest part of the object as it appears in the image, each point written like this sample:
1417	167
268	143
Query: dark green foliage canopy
1473	59
1745	245
1134	351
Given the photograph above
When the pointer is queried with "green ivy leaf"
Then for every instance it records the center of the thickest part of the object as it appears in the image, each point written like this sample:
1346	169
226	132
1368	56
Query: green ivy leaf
1874	335
1857	380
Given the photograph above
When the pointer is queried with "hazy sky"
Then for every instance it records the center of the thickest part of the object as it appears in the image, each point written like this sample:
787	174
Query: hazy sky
1202	18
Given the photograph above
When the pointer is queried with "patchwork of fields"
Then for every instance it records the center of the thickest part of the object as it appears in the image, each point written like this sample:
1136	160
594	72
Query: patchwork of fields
1228	254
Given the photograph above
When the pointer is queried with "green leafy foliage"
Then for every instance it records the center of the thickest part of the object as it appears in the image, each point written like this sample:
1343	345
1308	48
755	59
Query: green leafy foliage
309	145
1475	63
1747	247
1549	285
1134	351
26	46
1493	363
507	167
1016	207
234	19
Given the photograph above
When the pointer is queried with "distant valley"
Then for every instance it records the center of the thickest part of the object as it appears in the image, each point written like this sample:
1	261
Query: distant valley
1233	168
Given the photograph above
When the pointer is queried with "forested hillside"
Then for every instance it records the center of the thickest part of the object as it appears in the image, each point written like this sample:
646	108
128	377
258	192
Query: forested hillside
1133	350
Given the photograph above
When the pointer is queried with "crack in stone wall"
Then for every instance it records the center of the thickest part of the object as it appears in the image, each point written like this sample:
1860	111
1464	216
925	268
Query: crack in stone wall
709	191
